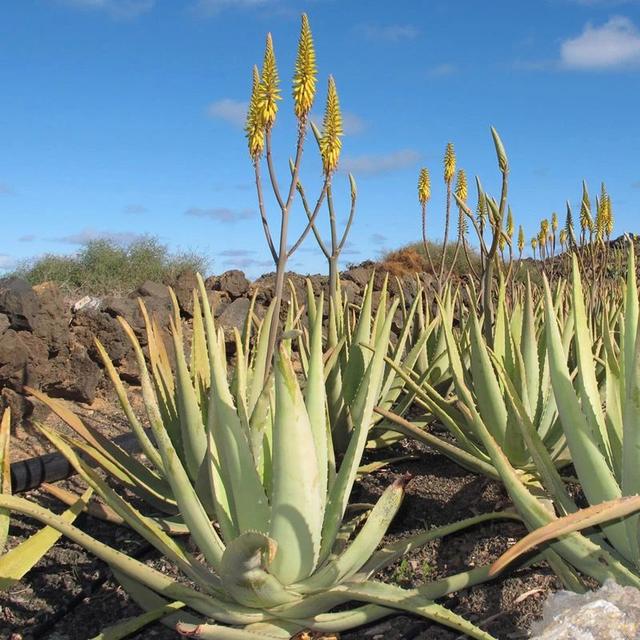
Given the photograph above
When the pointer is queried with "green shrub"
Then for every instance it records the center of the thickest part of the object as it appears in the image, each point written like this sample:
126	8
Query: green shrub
104	266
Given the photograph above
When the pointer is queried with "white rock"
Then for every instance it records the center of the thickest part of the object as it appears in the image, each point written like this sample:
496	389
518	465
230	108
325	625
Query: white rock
610	613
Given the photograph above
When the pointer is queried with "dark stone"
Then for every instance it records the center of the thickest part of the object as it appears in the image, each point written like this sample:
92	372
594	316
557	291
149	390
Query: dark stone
184	286
150	289
53	316
234	316
74	377
19	303
232	282
24	359
360	274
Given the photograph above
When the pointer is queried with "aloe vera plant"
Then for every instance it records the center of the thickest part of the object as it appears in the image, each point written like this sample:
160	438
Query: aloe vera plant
283	551
597	409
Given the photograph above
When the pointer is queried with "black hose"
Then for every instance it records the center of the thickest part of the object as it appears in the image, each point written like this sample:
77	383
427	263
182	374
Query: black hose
52	467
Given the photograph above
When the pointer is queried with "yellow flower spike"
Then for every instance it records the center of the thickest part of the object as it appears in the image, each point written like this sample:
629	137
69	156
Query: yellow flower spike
542	238
510	226
534	243
449	162
563	237
554	221
424	186
304	78
520	239
330	143
586	221
461	184
269	88
544	227
254	127
609	219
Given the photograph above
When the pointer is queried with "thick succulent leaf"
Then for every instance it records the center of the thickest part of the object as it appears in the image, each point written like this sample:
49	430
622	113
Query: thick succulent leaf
227	612
489	396
131	625
591	465
630	477
582	519
361	413
110	456
233	465
296	502
94	509
412	601
363	545
5	473
218	632
17	562
587	382
149	600
245	572
144	526
192	510
316	404
192	430
145	443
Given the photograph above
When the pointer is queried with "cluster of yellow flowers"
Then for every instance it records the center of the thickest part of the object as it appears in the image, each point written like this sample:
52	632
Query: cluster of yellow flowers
265	94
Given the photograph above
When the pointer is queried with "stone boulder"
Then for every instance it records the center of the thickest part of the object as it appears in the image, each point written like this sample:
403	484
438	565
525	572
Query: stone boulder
233	283
609	613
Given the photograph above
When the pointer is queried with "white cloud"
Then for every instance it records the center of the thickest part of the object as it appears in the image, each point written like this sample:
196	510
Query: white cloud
352	124
389	32
135	209
444	69
603	3
236	253
229	110
221	214
7	262
122	9
372	163
615	44
89	235
213	7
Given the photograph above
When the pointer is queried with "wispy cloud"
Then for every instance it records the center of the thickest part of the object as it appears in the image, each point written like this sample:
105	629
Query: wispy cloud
229	110
352	124
378	238
89	235
236	253
615	44
213	7
247	263
372	163
6	189
119	9
7	262
603	3
388	32
221	214
29	237
135	209
442	70
238	186
635	184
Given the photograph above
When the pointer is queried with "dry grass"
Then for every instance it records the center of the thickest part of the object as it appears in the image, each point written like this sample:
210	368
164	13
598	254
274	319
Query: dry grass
412	259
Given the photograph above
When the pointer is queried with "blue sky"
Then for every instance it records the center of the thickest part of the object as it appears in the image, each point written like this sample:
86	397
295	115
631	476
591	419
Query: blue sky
124	117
